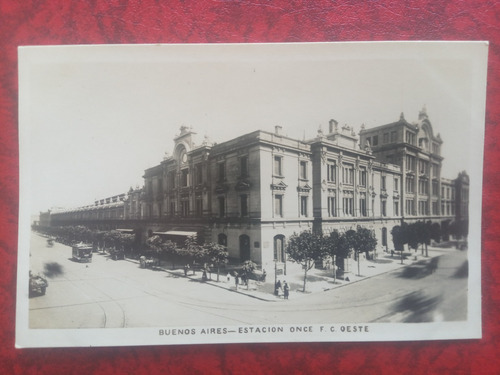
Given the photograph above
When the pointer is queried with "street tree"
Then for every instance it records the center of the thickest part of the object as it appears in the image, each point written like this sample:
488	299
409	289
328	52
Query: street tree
332	246
366	242
193	251
248	268
153	244
398	239
217	254
305	248
170	251
435	232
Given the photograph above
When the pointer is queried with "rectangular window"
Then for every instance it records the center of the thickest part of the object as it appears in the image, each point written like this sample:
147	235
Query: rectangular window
409	207
244	205
303	170
222	206
221	172
424	167
362	206
375	140
362	177
348	174
383	208
422	187
199	174
420	207
396	208
171	179
303	206
368	141
332	206
409	184
393	136
348	206
435	188
410	163
386	138
383	185
184	177
331	172
244	166
278	167
410	138
435	170
199	206
185	208
396	184
172	207
278	205
434	208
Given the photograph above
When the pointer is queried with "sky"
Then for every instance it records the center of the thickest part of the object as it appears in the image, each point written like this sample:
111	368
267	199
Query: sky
93	118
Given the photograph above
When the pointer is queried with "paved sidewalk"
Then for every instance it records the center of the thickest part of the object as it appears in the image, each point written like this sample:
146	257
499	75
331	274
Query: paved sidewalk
318	280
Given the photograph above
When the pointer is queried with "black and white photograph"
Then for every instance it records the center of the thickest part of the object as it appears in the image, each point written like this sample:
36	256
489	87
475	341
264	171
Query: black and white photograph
227	193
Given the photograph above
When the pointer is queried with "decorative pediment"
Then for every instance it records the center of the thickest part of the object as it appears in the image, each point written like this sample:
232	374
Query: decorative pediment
242	185
279	186
396	195
383	194
304	188
221	188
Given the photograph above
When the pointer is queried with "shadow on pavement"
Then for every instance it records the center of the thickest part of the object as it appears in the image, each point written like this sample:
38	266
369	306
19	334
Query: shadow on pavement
462	271
53	269
420	269
418	307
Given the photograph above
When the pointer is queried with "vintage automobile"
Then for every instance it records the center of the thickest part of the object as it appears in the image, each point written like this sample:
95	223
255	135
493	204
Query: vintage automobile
117	254
82	252
148	262
38	285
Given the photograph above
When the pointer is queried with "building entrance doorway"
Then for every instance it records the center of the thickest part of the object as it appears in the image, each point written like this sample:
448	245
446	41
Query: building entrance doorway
244	247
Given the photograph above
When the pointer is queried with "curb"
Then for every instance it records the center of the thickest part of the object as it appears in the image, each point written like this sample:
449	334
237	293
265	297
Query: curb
274	300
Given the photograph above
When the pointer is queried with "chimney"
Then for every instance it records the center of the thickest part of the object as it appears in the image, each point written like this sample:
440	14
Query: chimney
278	129
333	125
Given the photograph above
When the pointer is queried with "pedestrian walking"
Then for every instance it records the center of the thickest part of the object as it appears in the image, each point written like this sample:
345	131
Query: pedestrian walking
186	269
236	279
286	290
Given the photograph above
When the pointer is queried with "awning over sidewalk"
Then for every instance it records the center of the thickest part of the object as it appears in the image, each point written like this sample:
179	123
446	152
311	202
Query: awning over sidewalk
177	233
125	230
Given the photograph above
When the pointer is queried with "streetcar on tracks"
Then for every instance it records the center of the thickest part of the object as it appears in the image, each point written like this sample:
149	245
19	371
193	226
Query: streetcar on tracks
82	252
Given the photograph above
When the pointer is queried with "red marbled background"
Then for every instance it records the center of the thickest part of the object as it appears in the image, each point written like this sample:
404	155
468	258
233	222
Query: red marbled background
30	22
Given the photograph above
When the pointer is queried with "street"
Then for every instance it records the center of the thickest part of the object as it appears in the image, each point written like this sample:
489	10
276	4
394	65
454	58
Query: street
117	294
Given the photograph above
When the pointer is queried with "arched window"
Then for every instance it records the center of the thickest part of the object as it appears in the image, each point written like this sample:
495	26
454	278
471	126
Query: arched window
222	239
279	248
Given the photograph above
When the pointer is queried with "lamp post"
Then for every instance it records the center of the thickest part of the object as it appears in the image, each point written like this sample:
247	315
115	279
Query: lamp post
275	275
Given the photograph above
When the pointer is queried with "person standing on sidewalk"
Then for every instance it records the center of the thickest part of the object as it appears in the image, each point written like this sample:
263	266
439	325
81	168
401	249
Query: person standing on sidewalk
286	290
277	288
236	279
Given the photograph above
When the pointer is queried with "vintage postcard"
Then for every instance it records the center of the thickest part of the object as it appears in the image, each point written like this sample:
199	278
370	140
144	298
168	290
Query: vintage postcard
227	193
